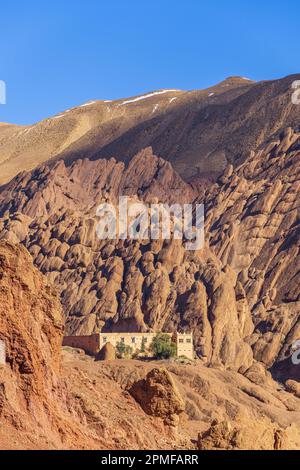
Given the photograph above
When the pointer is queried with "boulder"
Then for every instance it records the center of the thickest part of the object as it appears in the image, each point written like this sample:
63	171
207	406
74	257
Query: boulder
293	387
247	435
158	396
107	353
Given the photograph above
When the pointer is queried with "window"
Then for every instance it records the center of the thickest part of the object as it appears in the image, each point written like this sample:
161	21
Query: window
122	340
145	339
133	340
188	340
104	339
180	341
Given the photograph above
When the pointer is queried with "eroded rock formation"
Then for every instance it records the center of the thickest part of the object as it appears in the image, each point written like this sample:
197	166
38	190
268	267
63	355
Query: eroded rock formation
107	353
253	226
126	285
31	323
258	435
158	396
239	294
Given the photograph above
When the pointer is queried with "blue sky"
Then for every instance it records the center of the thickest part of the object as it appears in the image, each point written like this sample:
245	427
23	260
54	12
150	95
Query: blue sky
54	55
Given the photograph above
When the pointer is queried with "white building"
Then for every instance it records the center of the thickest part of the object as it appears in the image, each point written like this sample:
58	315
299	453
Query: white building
137	341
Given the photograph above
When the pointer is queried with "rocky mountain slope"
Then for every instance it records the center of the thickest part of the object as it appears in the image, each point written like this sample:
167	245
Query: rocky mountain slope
125	285
82	186
253	226
198	131
53	399
183	406
241	290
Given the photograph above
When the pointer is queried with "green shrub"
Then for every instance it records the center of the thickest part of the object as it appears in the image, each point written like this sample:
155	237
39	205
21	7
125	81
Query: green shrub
136	354
163	347
128	352
123	351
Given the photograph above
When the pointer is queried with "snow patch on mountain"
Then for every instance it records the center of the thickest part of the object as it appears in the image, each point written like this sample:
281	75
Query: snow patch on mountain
144	97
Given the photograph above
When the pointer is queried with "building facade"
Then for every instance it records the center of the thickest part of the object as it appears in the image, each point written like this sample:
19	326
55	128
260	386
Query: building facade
137	341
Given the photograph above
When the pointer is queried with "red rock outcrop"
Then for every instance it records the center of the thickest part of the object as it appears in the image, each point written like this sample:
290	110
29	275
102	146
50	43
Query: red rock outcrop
31	327
258	435
158	396
31	324
107	353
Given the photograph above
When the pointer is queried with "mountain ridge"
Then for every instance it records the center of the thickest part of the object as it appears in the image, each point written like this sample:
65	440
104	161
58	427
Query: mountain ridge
199	131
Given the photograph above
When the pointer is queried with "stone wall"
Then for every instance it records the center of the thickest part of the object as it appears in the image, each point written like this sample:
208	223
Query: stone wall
134	340
90	344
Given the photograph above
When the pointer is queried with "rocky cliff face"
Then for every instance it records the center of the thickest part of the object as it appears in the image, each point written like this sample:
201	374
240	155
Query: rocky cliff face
31	327
31	323
253	226
81	187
